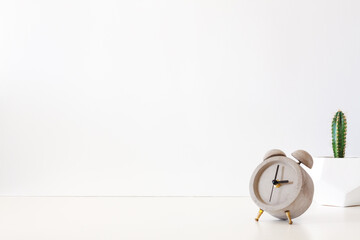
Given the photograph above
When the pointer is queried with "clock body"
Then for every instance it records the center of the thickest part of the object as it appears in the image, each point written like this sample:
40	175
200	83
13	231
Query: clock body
295	196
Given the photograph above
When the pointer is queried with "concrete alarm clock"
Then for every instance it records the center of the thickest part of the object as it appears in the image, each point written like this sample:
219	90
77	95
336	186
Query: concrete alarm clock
280	186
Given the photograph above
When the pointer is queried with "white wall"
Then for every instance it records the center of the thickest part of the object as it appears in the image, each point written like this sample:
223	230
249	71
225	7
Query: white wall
169	97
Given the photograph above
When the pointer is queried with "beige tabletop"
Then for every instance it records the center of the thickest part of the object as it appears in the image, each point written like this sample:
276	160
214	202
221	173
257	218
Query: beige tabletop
167	218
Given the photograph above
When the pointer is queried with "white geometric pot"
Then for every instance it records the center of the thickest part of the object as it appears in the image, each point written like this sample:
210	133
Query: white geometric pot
337	181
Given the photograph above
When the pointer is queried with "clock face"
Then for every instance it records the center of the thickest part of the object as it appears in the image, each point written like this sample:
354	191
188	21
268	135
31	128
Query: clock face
276	183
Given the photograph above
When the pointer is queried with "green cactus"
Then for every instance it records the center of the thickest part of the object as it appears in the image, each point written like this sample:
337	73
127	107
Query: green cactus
338	129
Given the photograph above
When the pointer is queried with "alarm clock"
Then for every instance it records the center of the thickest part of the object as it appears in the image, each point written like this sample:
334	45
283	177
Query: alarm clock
280	186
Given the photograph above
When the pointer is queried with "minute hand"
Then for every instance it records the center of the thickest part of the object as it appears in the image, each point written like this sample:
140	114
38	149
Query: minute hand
272	187
277	170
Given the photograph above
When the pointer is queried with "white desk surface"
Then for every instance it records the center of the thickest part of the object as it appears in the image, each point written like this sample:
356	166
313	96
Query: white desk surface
167	218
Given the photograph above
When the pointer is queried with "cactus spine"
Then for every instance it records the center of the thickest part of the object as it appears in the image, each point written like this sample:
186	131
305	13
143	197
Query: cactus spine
338	128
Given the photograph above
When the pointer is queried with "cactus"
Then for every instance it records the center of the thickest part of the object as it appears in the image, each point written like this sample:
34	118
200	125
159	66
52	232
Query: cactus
338	129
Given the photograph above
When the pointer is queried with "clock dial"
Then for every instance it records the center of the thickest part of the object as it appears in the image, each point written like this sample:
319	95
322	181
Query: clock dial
276	183
277	188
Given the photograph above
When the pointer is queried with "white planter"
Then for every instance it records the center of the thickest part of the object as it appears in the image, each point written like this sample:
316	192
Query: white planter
337	181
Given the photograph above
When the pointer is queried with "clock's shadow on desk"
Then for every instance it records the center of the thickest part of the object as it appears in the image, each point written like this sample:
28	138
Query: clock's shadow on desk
278	229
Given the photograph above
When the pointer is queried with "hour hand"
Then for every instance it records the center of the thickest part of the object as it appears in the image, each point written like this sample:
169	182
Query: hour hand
283	181
277	184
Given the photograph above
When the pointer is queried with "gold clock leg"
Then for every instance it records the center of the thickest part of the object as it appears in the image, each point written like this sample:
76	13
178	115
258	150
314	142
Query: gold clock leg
259	214
288	216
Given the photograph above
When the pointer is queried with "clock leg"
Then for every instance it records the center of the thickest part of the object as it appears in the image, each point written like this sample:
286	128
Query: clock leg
259	214
288	216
